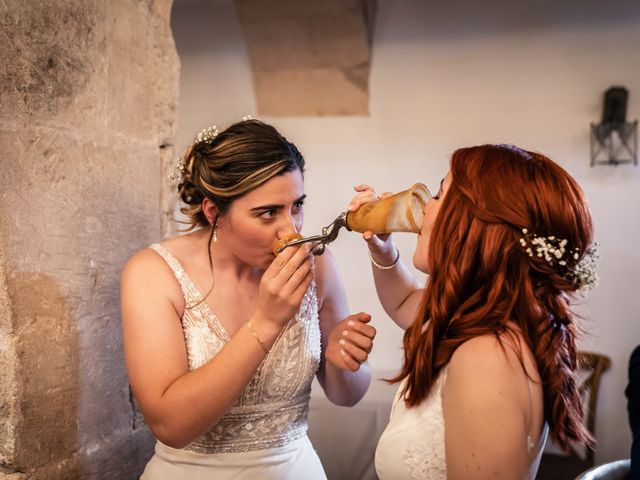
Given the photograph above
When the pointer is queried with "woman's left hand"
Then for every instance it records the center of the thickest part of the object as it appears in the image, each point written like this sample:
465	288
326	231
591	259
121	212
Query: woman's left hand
350	342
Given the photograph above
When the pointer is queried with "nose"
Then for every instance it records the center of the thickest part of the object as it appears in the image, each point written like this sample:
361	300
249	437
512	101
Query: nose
287	226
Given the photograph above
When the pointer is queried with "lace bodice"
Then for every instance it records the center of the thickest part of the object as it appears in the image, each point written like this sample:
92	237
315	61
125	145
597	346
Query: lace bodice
412	445
272	410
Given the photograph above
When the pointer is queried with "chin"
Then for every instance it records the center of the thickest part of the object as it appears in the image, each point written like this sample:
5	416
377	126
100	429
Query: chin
266	261
260	260
420	264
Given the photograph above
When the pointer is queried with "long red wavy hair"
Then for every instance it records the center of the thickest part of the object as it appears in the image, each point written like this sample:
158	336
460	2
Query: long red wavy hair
483	282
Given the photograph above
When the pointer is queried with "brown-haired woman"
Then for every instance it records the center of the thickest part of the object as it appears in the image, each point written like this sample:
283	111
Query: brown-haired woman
222	339
490	341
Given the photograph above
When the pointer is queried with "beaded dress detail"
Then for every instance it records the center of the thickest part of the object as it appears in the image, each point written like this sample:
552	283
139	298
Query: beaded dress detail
272	410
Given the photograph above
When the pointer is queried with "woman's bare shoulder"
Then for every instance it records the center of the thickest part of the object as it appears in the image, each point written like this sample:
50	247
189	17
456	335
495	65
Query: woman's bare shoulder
148	273
496	356
148	258
484	405
143	261
327	276
325	265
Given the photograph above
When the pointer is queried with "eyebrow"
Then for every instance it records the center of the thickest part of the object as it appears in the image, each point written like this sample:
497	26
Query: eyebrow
276	206
440	189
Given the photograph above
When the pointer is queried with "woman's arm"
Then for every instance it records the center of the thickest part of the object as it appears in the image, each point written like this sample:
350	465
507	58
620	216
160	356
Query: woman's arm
346	339
180	405
398	289
487	412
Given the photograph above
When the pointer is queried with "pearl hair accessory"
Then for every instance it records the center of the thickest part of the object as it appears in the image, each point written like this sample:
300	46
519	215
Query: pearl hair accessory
206	135
178	171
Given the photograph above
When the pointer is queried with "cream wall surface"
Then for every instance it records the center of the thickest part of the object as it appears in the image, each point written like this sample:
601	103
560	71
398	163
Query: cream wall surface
441	79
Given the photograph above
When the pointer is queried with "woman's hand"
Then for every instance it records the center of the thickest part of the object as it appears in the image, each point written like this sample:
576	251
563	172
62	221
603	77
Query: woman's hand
284	284
350	342
381	246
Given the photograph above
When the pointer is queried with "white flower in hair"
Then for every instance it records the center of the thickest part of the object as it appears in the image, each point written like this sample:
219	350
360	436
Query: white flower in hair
247	117
584	272
555	253
207	135
178	171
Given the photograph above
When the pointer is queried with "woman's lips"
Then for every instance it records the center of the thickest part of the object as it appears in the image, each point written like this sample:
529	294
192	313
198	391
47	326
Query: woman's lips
278	243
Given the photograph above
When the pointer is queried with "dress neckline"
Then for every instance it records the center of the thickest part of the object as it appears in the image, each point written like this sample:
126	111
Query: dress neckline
194	291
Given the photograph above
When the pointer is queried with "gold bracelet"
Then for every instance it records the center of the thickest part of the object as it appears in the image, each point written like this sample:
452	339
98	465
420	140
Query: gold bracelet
255	335
385	267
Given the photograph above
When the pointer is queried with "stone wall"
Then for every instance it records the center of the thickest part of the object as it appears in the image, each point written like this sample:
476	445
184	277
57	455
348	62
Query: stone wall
88	93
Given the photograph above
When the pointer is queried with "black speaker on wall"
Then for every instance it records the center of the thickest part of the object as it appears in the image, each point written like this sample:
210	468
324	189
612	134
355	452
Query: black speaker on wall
615	105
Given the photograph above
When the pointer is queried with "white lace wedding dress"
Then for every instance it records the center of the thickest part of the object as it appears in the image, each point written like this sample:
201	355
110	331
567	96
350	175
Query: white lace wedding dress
412	445
264	435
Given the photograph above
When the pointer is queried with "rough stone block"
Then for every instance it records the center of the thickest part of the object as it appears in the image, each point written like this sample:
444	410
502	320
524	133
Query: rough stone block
89	91
51	66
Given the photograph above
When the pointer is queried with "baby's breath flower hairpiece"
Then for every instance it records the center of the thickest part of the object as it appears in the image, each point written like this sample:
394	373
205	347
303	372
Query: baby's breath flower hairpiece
207	135
247	118
584	272
554	251
178	172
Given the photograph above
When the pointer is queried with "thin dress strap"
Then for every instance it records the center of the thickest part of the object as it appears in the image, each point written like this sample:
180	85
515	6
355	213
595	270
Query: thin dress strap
530	444
182	277
193	298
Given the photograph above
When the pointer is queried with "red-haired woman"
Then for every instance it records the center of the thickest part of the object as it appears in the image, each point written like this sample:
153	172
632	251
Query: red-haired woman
490	341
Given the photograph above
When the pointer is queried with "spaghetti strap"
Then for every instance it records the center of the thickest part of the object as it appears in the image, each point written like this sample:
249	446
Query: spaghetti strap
530	443
190	292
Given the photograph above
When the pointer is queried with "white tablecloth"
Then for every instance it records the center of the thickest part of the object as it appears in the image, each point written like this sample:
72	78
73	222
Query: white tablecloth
346	438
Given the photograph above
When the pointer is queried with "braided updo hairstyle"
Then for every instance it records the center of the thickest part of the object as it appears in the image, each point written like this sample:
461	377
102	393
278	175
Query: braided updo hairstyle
229	164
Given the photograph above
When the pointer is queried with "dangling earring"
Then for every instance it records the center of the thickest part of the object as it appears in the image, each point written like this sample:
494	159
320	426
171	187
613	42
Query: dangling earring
214	228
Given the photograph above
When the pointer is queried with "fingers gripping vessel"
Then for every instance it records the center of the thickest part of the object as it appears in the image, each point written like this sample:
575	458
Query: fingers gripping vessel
401	212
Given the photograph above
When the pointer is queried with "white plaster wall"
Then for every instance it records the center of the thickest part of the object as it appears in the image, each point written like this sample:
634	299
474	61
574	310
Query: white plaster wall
443	78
